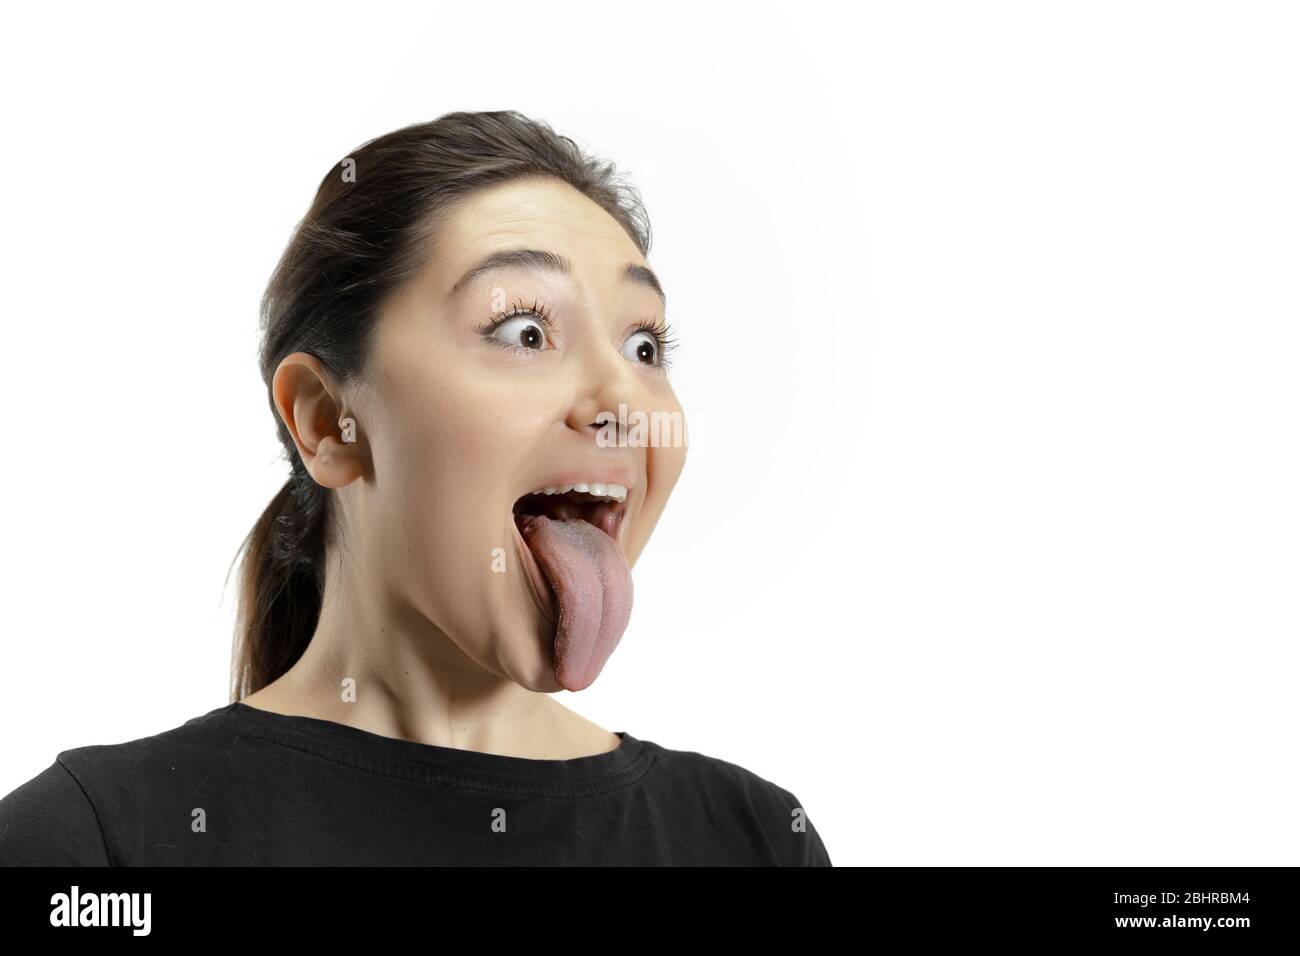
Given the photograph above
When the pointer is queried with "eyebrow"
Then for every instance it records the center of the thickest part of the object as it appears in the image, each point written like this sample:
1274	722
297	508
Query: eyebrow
543	261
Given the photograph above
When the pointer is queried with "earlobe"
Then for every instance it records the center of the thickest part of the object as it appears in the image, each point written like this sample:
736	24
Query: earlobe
336	462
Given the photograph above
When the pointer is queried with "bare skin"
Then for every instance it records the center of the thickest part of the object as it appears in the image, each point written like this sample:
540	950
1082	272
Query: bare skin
445	646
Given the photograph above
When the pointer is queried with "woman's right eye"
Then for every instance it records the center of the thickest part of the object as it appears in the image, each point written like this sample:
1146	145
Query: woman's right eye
521	331
525	328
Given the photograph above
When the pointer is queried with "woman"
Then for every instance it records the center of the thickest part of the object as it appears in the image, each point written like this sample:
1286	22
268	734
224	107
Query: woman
454	342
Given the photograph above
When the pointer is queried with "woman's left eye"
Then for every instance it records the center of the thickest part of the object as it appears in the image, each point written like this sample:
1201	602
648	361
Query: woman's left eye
649	344
642	347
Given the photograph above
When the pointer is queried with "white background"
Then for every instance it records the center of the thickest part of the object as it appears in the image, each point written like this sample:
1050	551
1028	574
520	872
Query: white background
987	546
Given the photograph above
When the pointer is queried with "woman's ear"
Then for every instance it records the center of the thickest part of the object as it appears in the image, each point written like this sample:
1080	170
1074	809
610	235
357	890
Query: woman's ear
311	405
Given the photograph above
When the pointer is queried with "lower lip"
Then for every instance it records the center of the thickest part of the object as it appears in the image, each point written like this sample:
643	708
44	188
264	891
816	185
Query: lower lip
536	579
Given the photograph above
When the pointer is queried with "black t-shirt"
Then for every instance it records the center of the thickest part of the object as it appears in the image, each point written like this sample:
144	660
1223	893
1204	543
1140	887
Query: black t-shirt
244	786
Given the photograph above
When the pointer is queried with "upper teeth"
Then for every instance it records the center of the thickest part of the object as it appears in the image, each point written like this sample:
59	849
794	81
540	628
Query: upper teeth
599	489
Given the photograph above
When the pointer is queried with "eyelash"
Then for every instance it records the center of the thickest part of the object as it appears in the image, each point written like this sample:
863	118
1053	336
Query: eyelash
665	341
538	309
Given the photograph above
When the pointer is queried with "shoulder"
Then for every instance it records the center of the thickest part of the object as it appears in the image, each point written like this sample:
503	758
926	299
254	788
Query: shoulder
49	821
728	794
168	752
58	817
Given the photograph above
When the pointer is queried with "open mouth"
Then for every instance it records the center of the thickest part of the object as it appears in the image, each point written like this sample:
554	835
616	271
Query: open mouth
597	504
603	506
567	536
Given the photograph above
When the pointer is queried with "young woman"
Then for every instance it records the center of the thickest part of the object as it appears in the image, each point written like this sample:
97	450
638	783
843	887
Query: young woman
457	341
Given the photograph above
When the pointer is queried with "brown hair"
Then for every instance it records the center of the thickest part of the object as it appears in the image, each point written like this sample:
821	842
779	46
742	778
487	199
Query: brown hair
363	237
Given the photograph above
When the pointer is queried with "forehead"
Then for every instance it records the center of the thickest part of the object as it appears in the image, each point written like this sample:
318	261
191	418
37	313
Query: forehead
535	212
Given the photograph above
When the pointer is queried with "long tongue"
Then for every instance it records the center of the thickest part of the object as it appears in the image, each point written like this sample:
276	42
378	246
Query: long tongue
593	592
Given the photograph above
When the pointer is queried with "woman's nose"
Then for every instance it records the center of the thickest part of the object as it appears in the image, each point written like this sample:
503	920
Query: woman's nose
608	381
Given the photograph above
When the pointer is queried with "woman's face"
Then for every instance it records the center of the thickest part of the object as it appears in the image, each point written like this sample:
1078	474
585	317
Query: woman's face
461	421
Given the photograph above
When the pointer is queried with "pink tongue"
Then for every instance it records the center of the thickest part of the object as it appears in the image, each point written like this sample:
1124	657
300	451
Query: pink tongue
593	592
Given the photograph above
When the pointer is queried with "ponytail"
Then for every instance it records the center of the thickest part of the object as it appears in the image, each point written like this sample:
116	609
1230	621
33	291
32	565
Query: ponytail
282	581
